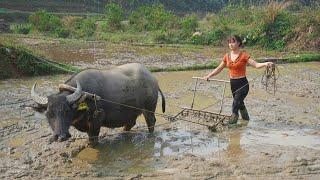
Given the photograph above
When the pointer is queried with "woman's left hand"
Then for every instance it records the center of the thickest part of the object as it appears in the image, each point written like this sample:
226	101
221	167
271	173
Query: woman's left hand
269	64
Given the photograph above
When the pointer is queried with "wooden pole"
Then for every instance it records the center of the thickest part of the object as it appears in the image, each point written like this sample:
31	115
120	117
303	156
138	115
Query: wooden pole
219	80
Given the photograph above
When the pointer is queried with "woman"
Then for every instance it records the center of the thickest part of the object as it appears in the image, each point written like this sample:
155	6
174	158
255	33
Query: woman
237	61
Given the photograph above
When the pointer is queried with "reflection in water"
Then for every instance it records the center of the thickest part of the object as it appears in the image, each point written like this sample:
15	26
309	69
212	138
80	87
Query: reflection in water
142	152
275	137
234	149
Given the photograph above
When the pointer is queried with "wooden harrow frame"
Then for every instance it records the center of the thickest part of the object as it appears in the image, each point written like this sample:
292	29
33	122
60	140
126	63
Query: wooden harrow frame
210	119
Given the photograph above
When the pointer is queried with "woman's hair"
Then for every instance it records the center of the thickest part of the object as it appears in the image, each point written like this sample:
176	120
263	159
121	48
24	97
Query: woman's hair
235	38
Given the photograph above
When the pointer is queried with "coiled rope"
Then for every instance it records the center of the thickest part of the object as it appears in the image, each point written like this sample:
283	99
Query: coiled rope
269	78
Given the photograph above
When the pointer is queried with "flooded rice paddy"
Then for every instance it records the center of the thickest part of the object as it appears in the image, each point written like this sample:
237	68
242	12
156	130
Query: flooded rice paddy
282	139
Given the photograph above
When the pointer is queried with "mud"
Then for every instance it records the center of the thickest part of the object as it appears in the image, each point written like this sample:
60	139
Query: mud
103	55
281	140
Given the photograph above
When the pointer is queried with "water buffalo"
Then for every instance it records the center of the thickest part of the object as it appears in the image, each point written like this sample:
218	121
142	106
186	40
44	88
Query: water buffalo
126	92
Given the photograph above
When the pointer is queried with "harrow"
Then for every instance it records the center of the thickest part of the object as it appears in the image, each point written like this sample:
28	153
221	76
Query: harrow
199	116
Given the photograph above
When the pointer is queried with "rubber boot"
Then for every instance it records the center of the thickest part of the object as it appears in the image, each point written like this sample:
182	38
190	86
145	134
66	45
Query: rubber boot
233	119
244	114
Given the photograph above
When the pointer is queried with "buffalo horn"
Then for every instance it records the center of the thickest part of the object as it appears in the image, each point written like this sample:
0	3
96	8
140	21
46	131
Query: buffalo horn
36	98
76	95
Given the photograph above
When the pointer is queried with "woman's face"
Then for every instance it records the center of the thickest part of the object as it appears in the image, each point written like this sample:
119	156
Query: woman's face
233	44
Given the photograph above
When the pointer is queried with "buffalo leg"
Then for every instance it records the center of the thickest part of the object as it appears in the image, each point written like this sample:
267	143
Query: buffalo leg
93	133
129	126
150	119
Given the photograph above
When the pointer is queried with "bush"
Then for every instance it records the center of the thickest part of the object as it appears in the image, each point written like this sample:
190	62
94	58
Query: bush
115	15
87	27
168	36
237	15
102	26
275	33
198	39
189	25
160	36
309	21
78	26
21	28
151	18
62	32
45	22
215	35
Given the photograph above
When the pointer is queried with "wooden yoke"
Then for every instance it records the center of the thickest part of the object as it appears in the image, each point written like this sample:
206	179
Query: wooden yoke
66	87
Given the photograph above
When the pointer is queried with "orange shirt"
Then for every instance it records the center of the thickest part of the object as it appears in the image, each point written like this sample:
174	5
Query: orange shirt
237	68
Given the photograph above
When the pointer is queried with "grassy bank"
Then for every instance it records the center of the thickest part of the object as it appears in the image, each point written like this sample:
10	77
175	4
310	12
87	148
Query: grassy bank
302	58
21	63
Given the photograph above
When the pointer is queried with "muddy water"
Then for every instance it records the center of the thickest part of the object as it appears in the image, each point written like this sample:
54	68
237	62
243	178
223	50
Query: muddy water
95	54
141	152
282	128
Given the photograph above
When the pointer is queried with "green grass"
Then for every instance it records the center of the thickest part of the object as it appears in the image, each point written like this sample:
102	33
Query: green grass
302	58
120	37
19	62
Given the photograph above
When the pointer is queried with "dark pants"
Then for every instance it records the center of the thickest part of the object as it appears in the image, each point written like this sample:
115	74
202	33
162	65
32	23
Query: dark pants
240	89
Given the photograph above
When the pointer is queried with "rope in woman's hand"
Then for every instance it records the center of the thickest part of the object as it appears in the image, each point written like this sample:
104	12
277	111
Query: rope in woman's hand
270	77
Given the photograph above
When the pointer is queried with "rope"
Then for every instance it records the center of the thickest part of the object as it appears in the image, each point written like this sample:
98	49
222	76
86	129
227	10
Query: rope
270	77
52	63
158	114
210	105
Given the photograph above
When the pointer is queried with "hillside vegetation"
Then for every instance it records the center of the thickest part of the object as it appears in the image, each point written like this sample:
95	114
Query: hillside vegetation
97	6
273	26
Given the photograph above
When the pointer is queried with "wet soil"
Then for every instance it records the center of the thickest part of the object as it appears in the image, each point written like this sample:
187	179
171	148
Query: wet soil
281	140
103	55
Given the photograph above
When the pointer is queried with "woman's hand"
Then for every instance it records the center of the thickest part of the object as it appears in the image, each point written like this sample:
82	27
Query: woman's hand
216	71
206	77
255	64
269	64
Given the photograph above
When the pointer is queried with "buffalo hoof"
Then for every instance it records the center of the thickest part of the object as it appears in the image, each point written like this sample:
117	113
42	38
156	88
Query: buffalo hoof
61	137
53	138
